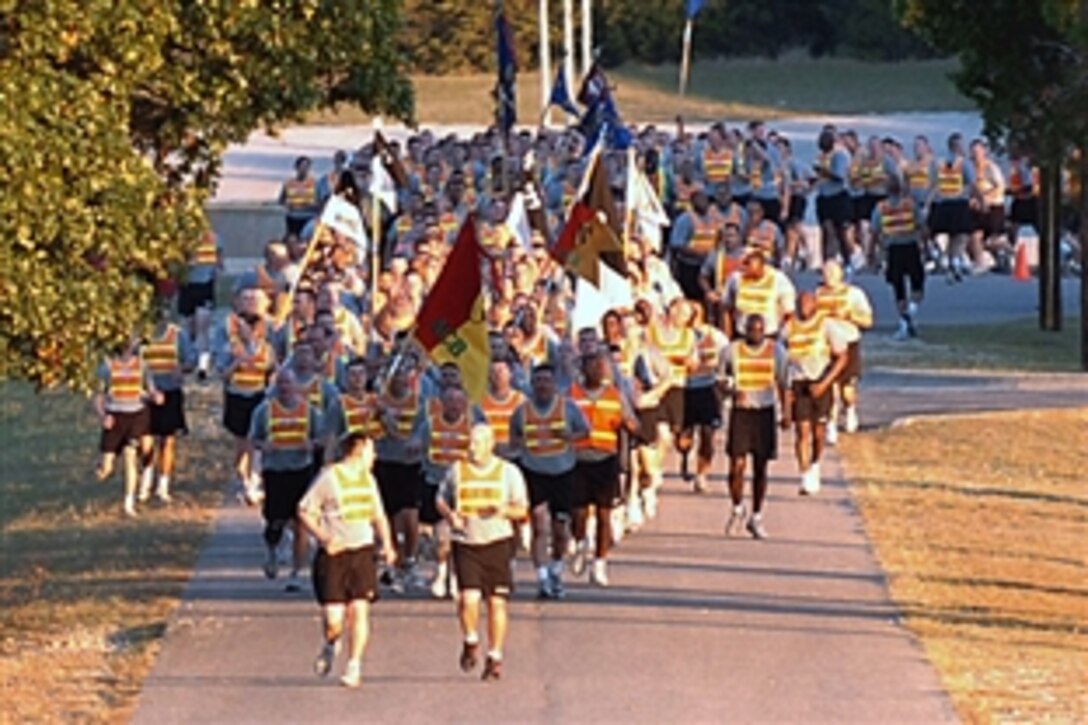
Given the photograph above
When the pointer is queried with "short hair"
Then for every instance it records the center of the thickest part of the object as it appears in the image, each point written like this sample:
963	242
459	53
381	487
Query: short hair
544	367
351	441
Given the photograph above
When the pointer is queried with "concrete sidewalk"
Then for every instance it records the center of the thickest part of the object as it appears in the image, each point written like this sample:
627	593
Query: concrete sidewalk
696	627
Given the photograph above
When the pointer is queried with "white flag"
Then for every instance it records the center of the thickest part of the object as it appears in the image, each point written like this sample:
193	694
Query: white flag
382	185
343	216
589	305
641	199
517	222
615	288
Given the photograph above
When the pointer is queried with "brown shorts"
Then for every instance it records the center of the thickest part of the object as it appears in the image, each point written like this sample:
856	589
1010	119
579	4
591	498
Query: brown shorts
485	567
349	576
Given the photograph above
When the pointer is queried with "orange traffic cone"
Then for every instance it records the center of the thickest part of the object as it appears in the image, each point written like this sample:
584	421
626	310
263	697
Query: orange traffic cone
1020	271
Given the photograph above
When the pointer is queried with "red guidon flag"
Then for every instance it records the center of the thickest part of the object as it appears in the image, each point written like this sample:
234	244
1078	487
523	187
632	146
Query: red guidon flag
452	324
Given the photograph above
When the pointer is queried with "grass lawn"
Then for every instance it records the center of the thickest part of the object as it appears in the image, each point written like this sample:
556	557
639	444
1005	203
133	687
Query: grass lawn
719	89
84	593
981	523
1012	345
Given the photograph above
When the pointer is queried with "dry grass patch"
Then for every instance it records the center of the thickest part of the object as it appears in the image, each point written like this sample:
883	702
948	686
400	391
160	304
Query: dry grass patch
982	524
737	89
85	594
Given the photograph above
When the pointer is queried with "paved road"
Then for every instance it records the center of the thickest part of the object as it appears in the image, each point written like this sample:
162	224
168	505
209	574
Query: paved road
696	628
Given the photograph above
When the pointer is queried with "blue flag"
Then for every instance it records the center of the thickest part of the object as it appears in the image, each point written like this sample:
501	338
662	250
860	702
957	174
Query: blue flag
601	121
506	88
561	94
694	6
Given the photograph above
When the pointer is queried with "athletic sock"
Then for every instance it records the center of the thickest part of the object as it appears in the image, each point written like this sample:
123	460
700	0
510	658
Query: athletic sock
164	484
556	568
495	655
472	638
542	573
147	476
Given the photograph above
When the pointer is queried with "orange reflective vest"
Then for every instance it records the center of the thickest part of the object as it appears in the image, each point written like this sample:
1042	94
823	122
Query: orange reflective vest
498	413
361	415
161	354
251	375
918	176
755	367
807	339
897	220
206	252
315	392
724	266
479	489
706	347
873	177
404	412
717	165
950	179
300	194
126	381
543	430
1020	187
604	412
288	429
448	441
704	232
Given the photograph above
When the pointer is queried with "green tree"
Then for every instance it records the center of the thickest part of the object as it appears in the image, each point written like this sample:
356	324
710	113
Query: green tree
113	120
1026	66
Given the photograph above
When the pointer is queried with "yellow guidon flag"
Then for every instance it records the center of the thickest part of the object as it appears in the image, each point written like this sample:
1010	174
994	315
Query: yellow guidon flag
452	324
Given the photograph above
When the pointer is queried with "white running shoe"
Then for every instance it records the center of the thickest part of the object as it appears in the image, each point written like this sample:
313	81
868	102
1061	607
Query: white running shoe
735	525
353	675
810	481
902	332
852	419
599	573
129	507
634	516
832	435
649	503
578	561
439	587
618	524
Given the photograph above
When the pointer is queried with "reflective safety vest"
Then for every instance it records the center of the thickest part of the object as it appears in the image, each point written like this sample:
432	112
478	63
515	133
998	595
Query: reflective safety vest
677	352
234	324
807	339
756	296
404	412
724	266
950	179
479	489
755	367
206	252
251	375
543	431
361	415
498	413
356	496
918	176
161	354
300	194
717	165
288	429
704	234
315	392
755	177
449	441
706	347
763	235
683	191
873	177
404	225
856	177
449	223
835	303
897	220
604	412
494	236
126	381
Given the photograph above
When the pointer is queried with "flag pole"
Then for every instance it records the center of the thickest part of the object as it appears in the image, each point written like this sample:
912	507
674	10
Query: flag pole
315	238
545	65
568	43
685	58
587	34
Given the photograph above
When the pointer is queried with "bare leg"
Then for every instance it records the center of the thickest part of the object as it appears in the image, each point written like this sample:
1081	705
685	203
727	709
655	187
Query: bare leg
541	522
496	626
359	622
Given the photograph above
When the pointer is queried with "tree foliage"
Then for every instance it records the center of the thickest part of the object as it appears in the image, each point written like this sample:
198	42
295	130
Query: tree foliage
444	36
113	119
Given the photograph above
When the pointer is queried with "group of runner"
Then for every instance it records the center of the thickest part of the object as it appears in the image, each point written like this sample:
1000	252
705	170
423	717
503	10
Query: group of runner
346	434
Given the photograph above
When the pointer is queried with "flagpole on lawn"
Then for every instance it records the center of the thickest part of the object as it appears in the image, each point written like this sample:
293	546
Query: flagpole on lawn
587	34
545	65
568	42
375	242
685	58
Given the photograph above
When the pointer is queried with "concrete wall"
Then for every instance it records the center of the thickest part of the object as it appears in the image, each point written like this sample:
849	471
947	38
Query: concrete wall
244	228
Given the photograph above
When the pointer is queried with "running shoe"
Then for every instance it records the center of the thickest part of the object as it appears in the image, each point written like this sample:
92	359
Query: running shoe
324	660
755	528
735	525
469	656
492	670
852	419
832	435
353	675
293	583
599	574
